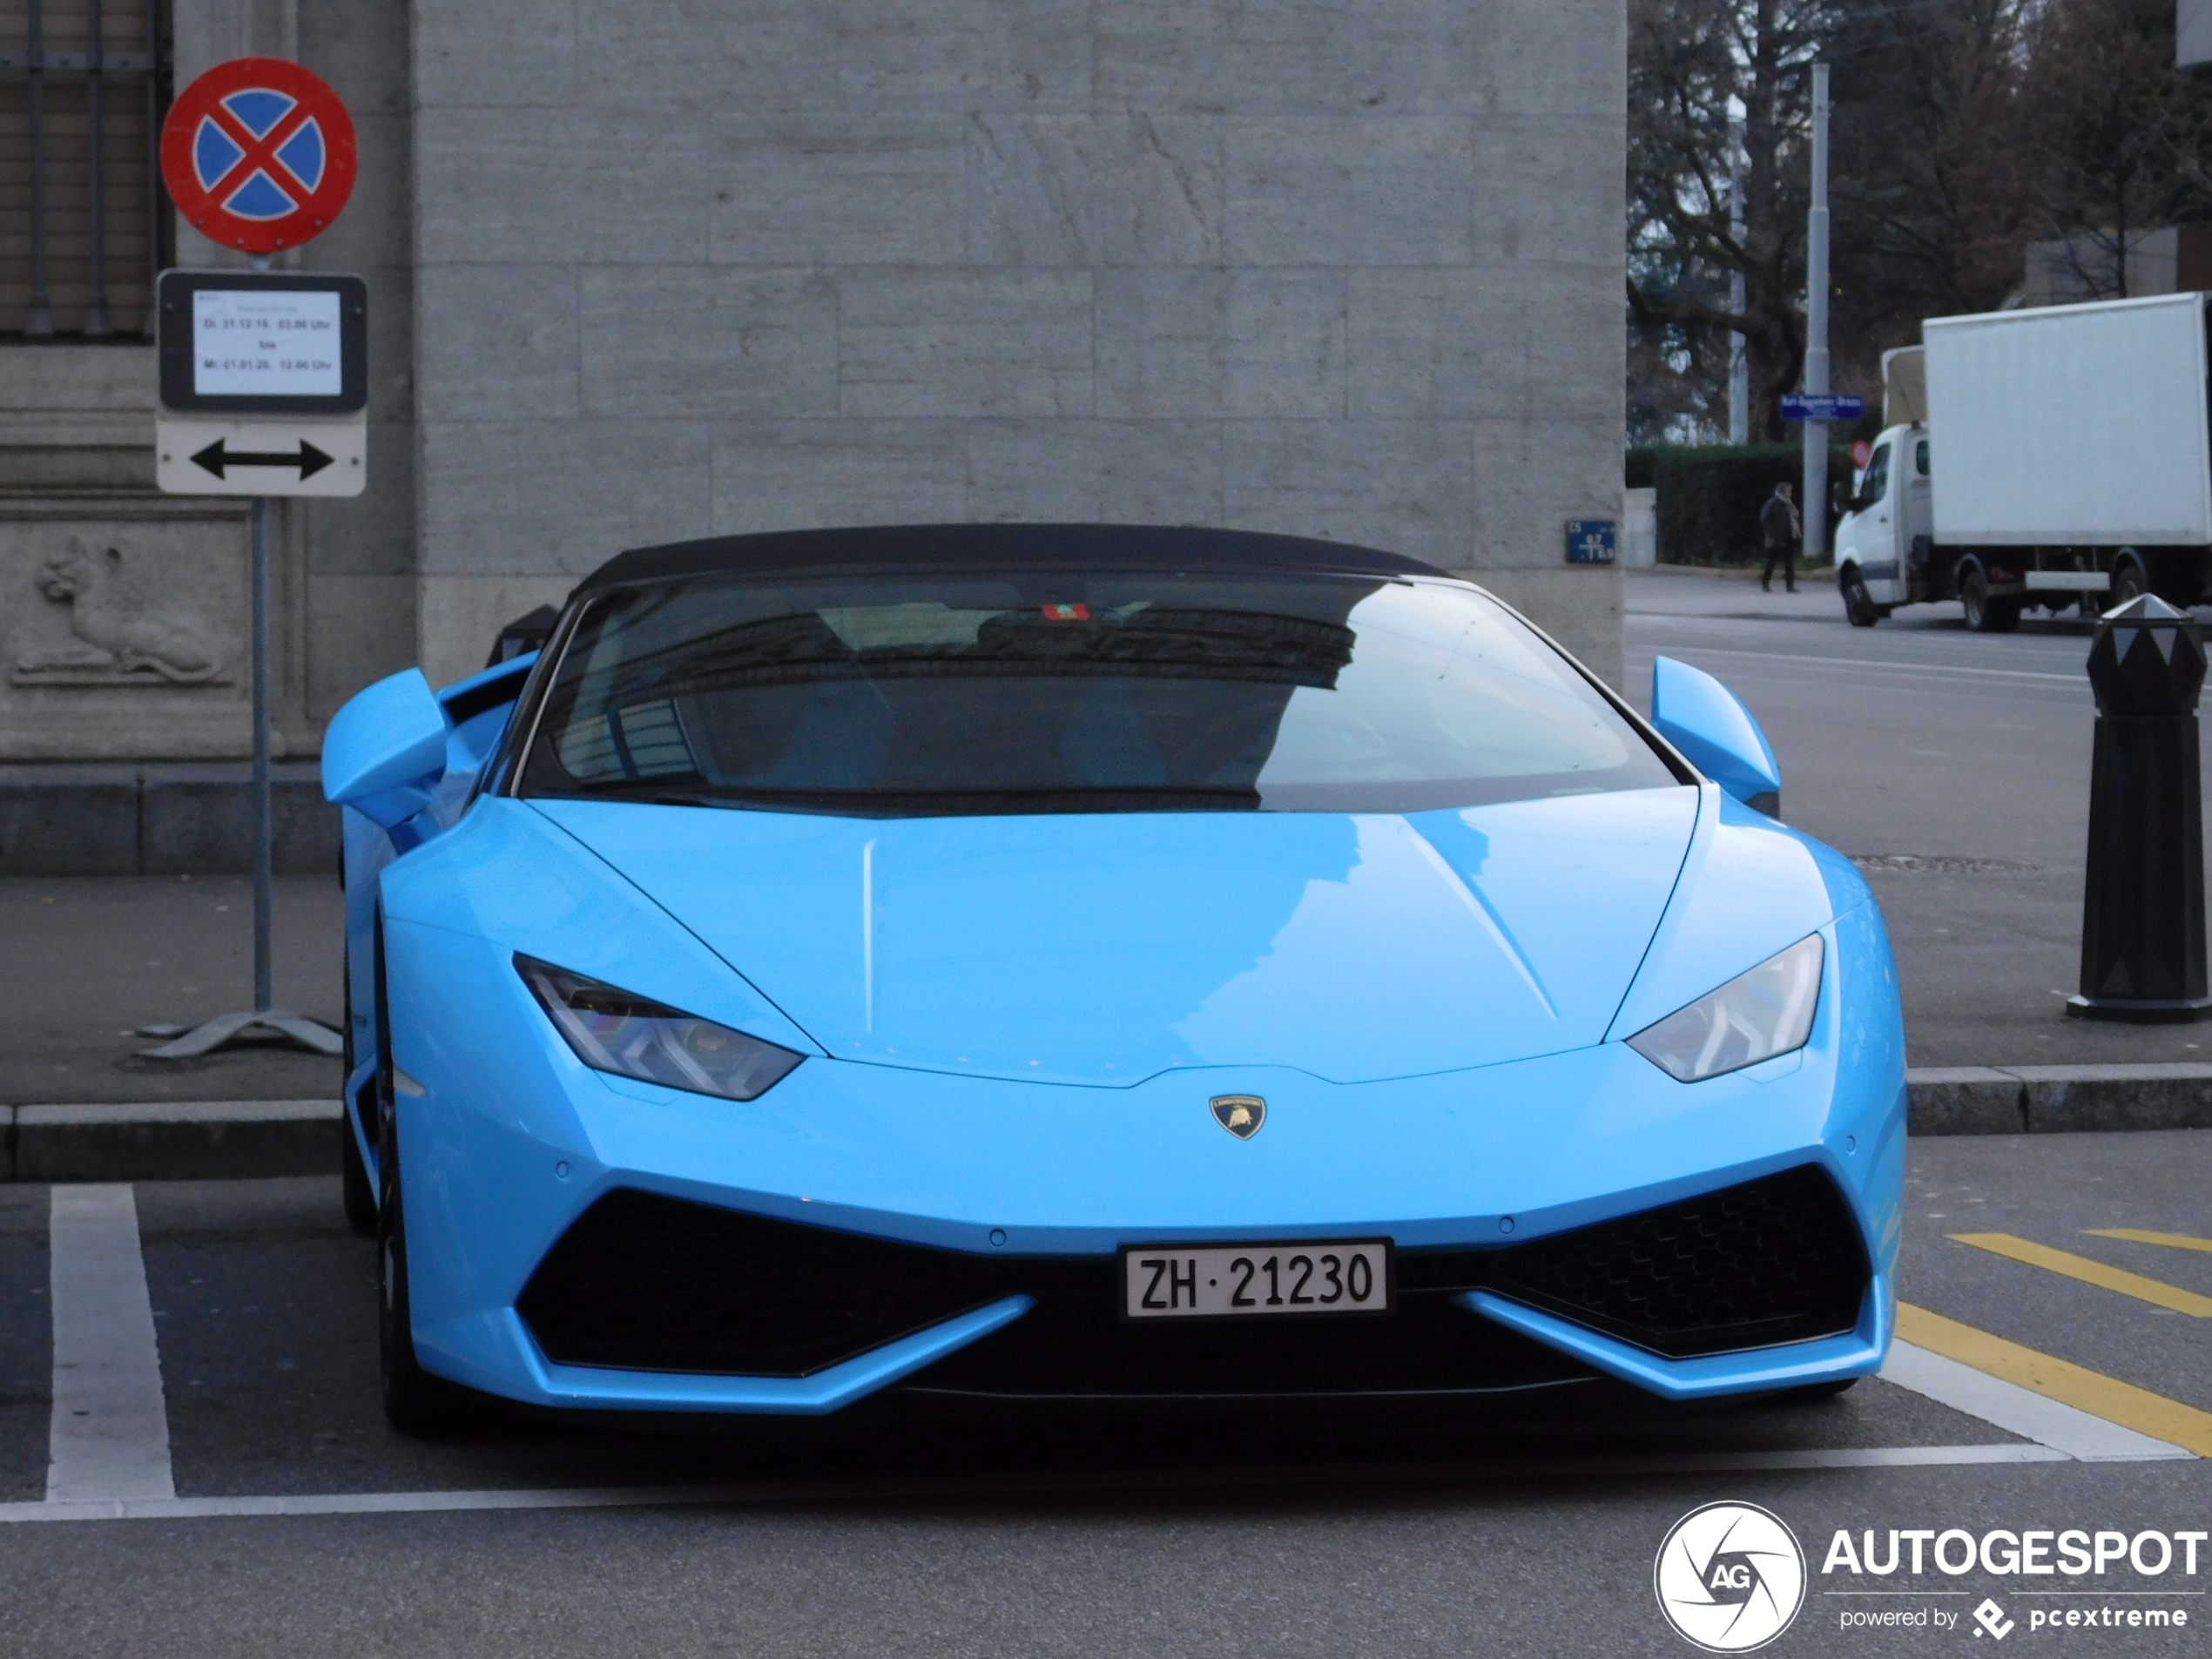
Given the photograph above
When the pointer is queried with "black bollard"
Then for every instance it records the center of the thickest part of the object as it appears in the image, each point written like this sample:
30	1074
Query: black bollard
2143	904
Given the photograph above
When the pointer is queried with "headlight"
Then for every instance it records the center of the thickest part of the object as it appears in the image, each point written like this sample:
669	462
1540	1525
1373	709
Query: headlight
612	1030
1755	1016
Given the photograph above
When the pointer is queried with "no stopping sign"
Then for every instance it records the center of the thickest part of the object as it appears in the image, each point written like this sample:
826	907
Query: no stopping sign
258	154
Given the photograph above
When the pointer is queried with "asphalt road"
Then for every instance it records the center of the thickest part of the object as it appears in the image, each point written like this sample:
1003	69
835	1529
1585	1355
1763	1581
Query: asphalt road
1955	767
1477	1531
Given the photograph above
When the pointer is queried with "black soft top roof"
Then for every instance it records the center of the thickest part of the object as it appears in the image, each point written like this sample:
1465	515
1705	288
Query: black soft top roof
910	547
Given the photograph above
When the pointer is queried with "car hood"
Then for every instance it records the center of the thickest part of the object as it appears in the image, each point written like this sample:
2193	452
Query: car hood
1105	949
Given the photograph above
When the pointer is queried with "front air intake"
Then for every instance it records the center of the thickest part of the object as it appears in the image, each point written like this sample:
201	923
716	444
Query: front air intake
640	1282
1777	1259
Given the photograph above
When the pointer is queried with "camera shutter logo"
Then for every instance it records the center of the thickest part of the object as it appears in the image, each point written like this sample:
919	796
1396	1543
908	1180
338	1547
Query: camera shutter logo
1730	1577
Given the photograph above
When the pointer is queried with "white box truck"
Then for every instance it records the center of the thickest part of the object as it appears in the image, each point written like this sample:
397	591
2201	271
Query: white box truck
2055	457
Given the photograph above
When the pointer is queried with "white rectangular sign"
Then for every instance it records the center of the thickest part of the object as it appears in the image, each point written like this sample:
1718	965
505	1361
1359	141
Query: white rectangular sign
272	455
264	343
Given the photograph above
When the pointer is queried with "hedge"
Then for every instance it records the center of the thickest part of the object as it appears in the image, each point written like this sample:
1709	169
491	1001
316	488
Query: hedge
1709	496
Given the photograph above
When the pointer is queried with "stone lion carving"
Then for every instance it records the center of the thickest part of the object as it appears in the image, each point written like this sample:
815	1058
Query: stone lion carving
115	640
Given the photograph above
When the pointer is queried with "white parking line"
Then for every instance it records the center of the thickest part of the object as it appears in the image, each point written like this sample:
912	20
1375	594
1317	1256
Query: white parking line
387	1503
110	1438
2065	1429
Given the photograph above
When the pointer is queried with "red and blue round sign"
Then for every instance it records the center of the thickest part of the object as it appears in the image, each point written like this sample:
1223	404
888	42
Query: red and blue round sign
258	154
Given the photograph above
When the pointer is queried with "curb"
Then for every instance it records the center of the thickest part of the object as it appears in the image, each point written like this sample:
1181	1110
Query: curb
172	1141
240	1139
2057	1100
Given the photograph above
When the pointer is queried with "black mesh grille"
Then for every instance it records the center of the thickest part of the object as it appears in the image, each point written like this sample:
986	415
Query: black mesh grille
1774	1260
645	1283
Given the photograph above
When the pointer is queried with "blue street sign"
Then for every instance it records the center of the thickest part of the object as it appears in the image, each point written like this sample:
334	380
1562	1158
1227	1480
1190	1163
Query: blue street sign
1825	405
1590	541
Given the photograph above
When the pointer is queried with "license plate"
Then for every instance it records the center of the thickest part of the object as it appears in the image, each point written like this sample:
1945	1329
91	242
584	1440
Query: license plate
1225	1281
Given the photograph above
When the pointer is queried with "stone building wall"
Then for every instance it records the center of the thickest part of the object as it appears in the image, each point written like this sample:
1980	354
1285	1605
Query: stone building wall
648	269
92	554
686	268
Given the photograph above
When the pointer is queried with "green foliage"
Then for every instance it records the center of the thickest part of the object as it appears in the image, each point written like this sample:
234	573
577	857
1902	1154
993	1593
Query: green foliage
1710	496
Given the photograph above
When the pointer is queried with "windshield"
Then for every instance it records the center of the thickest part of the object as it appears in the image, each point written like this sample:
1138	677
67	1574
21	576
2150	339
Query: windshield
939	695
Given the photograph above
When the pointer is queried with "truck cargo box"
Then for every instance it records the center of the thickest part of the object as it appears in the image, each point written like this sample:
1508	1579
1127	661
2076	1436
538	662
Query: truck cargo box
2081	426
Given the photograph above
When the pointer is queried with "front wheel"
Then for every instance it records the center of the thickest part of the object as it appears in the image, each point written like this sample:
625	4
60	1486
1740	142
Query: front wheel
415	1402
1859	608
1987	613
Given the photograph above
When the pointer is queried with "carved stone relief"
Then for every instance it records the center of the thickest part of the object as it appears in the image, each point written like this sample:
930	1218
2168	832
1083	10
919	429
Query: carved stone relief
118	633
123	631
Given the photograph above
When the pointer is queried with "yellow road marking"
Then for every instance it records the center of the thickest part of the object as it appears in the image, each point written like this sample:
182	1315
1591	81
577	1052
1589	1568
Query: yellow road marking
2136	1235
2089	1273
2054	1378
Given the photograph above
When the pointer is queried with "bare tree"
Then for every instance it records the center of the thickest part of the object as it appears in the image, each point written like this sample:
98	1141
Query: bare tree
1934	173
1693	64
2118	133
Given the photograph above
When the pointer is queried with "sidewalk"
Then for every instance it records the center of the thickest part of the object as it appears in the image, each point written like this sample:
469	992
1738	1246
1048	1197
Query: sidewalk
1732	593
88	959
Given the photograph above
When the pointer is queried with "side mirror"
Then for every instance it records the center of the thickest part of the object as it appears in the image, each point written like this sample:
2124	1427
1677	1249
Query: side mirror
1701	717
385	751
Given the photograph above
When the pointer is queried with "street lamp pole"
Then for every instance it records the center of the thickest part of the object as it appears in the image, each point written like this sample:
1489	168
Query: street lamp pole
1739	368
1815	468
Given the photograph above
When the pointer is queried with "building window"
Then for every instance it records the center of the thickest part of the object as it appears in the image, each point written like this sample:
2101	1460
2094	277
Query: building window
83	85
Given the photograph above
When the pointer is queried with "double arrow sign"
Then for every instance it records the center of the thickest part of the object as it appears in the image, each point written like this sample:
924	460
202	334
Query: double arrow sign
309	460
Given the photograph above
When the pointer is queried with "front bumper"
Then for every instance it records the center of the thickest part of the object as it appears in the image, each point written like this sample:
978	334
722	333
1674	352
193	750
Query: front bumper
512	1142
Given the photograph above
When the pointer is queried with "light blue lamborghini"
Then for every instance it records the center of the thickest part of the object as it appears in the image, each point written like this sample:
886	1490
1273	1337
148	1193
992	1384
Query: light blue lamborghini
1081	962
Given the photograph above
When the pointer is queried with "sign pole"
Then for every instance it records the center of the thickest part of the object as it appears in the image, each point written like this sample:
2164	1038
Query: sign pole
264	829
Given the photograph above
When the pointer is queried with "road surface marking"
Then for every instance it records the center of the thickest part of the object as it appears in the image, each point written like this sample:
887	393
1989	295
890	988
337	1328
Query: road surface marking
1813	659
2089	1273
2017	1410
387	1503
2070	1384
110	1438
2136	1235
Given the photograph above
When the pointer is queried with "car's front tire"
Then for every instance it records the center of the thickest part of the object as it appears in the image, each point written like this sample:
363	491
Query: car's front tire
415	1402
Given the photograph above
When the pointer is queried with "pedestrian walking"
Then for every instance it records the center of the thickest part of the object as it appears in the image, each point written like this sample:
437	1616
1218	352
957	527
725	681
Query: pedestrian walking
1783	529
